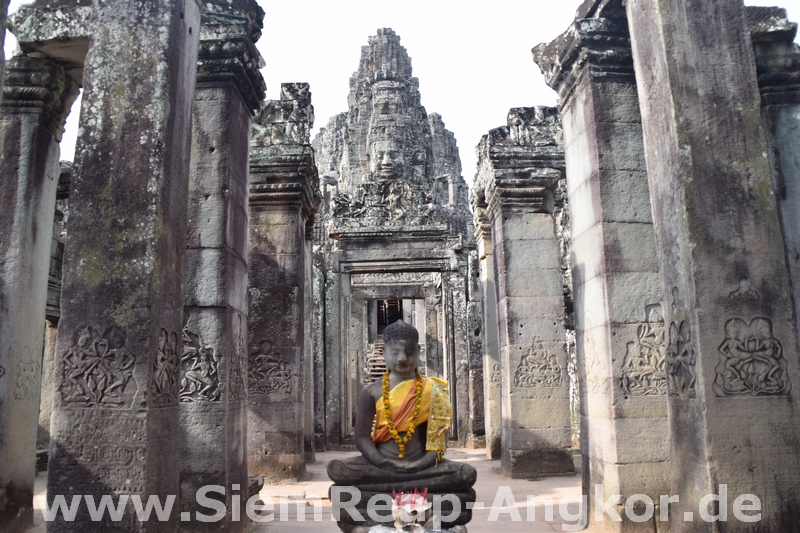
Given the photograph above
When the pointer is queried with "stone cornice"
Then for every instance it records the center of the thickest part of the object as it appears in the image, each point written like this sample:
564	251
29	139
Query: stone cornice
285	175
228	54
597	47
777	55
34	83
532	193
519	164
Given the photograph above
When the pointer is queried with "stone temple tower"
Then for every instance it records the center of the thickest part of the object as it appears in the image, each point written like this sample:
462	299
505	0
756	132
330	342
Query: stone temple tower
394	241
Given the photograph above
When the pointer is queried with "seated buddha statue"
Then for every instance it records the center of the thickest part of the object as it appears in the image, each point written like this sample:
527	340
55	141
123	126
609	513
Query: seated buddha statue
401	431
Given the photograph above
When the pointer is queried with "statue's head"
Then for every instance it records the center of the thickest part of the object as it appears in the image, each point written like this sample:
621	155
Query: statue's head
401	349
386	159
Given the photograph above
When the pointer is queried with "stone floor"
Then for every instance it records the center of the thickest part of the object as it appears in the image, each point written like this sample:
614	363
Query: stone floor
314	488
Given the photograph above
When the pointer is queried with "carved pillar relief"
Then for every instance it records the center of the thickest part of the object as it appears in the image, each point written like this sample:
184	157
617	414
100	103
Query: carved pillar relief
621	349
730	381
213	354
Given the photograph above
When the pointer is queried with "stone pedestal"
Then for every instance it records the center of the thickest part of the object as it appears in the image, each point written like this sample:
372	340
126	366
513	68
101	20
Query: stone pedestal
491	343
37	100
283	199
214	358
618	316
778	69
732	365
115	408
520	166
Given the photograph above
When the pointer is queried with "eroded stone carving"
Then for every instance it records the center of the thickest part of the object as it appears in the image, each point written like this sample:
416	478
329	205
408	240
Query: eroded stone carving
199	370
751	361
166	369
538	368
744	292
592	380
2	371
268	373
98	369
495	377
27	378
681	359
237	367
643	368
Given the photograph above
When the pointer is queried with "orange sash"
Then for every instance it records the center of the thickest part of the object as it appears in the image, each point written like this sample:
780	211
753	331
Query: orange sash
401	414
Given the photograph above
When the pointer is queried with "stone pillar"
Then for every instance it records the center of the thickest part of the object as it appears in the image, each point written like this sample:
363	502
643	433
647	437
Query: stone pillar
476	438
214	359
308	356
618	316
523	163
115	409
778	69
490	341
283	198
52	314
3	14
37	100
732	365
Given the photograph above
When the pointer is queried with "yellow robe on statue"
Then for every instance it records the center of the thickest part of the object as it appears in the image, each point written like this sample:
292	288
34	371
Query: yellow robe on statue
434	409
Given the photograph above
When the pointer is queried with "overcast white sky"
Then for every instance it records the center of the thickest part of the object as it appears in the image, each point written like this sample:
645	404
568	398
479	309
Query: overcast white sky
472	59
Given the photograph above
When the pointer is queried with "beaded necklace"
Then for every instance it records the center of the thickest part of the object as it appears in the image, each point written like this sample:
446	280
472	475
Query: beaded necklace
401	441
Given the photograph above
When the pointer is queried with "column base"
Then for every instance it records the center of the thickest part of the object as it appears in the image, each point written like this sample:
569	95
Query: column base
529	464
17	514
278	467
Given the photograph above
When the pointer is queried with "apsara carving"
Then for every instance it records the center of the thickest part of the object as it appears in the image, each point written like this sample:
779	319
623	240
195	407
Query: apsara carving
538	368
166	370
681	359
643	368
199	370
27	379
268	373
751	361
98	369
237	370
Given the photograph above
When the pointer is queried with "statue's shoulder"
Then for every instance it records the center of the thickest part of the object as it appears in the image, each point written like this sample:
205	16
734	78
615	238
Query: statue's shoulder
438	382
372	392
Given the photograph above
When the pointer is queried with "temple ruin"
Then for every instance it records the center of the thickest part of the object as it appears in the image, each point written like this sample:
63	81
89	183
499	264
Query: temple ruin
200	297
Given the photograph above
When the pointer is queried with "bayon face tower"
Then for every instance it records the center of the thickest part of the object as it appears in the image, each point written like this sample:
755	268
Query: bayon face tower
394	239
386	161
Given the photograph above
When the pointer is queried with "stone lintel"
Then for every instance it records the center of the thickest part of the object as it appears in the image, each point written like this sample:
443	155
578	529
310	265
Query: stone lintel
33	83
777	55
597	47
393	233
61	33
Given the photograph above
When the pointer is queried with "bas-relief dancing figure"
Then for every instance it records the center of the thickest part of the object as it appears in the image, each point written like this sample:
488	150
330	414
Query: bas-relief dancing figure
401	431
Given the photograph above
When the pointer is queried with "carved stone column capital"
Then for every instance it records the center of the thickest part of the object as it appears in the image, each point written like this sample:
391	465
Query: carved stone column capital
282	166
597	47
36	83
227	50
285	175
521	163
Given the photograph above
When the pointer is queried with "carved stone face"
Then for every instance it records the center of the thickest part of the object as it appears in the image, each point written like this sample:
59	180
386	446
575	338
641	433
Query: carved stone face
401	357
386	159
